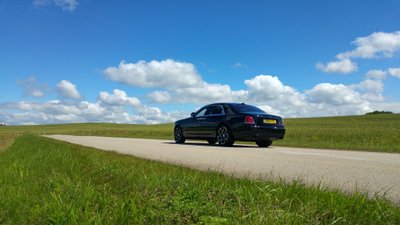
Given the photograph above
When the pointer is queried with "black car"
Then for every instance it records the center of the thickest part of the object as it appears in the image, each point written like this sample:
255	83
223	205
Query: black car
226	123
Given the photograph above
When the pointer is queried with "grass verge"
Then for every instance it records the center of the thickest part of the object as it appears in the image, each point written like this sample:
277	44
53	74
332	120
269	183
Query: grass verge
6	140
47	181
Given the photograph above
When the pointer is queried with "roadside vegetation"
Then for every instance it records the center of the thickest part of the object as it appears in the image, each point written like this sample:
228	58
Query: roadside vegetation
376	132
6	140
378	112
44	181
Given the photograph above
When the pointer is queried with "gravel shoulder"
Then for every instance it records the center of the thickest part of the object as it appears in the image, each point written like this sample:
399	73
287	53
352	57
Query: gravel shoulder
349	171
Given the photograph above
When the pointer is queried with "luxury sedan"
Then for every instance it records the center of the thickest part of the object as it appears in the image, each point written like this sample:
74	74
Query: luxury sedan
226	123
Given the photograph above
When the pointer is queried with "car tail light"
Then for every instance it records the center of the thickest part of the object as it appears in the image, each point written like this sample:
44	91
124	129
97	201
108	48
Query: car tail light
282	122
249	120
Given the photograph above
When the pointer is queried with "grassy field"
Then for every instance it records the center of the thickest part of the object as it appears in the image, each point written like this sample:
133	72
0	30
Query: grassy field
368	133
6	140
44	181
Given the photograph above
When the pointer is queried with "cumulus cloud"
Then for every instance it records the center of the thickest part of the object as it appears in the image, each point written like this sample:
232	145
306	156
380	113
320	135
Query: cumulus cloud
69	5
181	81
115	107
378	44
266	91
67	89
267	88
205	92
371	89
166	73
118	98
160	96
342	66
376	74
394	72
333	94
375	45
32	88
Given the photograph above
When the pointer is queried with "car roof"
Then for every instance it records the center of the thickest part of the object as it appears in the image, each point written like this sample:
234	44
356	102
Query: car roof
226	103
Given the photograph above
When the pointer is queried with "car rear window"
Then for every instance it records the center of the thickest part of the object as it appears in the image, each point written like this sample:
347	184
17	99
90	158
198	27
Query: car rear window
246	108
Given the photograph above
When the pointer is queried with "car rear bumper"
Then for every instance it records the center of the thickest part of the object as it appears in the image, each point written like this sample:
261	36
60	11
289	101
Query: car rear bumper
259	133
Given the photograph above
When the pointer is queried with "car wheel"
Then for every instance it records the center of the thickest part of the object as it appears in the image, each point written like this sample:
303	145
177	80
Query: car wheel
212	141
224	136
263	143
178	135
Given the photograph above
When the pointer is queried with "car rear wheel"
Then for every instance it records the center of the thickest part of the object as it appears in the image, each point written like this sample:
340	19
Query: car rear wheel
212	141
263	143
178	135
224	136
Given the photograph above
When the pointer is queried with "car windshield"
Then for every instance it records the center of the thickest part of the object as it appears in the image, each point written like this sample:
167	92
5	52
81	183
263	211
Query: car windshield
246	108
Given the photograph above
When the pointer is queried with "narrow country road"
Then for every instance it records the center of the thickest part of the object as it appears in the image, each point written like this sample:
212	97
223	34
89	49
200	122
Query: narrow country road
374	173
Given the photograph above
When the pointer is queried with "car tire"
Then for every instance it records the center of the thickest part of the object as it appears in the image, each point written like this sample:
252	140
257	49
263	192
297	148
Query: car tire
178	135
264	143
224	136
212	141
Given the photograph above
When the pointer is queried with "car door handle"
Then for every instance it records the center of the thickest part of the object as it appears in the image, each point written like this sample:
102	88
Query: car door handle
201	118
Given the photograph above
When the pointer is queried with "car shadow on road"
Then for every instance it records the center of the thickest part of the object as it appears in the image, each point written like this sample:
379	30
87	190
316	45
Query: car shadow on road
205	144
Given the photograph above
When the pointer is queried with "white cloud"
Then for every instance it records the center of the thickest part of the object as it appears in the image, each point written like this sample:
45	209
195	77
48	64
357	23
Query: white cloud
166	73
266	91
328	99
394	72
378	44
118	98
205	92
334	94
181	82
32	88
160	96
342	66
69	5
267	88
371	85
67	89
376	74
110	108
370	89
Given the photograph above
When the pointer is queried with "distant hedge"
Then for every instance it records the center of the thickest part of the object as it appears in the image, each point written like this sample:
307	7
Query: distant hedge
378	112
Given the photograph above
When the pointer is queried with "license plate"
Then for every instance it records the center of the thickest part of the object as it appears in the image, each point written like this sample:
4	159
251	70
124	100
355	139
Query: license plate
268	121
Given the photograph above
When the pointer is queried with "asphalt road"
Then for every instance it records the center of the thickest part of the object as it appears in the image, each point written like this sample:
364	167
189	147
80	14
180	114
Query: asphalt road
349	171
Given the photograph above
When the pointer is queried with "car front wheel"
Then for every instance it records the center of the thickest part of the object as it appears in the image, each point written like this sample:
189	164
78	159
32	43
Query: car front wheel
263	143
178	135
224	136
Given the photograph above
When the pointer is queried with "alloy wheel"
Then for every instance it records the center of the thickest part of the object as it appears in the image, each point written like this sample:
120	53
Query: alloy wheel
223	135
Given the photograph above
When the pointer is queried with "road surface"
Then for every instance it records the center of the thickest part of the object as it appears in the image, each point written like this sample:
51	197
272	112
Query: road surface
349	171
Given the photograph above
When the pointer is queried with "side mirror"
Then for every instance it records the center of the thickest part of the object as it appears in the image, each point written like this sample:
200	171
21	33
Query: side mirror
192	114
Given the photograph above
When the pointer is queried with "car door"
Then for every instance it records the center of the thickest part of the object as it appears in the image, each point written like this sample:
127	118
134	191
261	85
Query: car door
192	125
211	121
200	130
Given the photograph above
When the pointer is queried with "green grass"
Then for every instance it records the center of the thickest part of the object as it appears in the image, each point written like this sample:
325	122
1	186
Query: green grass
379	133
44	181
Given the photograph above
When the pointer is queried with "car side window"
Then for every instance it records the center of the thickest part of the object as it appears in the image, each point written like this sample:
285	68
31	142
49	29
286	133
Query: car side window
216	110
211	110
201	113
208	111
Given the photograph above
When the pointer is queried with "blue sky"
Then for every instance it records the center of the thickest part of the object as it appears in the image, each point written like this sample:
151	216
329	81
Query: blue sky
156	61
